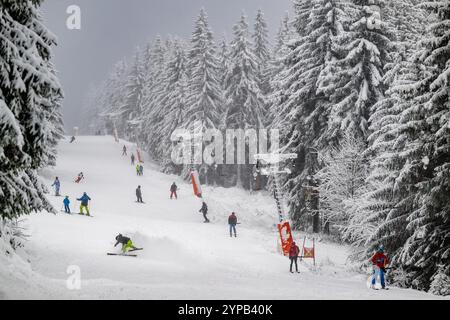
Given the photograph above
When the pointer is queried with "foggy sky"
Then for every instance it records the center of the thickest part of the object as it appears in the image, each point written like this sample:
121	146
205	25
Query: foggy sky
111	30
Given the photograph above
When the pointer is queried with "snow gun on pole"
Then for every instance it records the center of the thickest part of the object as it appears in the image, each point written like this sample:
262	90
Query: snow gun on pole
270	167
194	175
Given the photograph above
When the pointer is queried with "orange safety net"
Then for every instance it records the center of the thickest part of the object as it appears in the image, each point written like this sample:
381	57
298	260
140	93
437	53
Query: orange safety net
308	252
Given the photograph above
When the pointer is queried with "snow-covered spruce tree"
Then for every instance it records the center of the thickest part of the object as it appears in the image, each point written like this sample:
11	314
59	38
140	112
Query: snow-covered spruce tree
356	77
29	92
131	110
205	99
262	52
244	99
93	106
417	226
342	183
174	103
154	92
387	143
54	122
112	97
276	66
224	60
302	109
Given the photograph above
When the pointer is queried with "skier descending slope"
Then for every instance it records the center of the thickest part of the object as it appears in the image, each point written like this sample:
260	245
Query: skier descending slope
124	153
379	262
132	159
294	251
173	191
127	244
204	210
84	203
139	195
232	222
80	177
57	186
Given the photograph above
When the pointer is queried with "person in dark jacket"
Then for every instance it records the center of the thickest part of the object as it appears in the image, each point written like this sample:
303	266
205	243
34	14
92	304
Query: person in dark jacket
204	210
84	203
141	170
379	262
294	251
232	222
173	191
132	159
126	242
124	153
139	194
72	139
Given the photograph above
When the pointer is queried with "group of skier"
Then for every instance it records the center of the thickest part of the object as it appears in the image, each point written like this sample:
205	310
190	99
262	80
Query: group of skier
378	260
139	169
66	202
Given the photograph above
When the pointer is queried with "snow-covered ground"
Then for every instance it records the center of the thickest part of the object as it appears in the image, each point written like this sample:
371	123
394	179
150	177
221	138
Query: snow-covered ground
183	257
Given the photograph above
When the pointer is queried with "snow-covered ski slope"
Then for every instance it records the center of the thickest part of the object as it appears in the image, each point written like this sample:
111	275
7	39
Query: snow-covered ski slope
183	258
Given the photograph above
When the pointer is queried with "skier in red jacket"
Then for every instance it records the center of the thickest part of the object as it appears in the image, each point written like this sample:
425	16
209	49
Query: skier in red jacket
379	262
294	251
232	222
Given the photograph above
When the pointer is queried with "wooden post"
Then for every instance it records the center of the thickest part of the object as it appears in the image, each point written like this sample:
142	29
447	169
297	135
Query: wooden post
303	249
314	252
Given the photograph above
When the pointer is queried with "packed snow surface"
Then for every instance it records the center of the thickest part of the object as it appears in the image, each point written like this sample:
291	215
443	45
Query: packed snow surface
183	258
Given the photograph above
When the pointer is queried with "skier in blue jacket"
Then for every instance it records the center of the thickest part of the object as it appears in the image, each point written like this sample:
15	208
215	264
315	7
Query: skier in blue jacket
84	203
66	202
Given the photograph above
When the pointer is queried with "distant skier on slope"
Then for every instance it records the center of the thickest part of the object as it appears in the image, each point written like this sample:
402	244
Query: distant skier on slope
173	191
139	195
141	170
204	210
138	169
379	262
126	242
124	153
66	203
294	251
84	203
232	222
132	159
57	186
72	139
80	177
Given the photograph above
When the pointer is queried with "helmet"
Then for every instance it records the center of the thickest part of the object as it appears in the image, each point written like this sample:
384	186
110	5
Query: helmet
119	236
381	248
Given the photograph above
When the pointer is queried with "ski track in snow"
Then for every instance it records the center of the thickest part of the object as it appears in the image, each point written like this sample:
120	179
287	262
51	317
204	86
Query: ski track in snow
183	258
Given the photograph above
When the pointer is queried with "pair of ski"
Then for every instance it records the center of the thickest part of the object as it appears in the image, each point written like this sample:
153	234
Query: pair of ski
125	254
77	214
375	288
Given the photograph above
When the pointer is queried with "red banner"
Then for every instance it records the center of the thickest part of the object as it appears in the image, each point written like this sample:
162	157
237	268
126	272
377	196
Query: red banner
285	236
196	183
141	160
